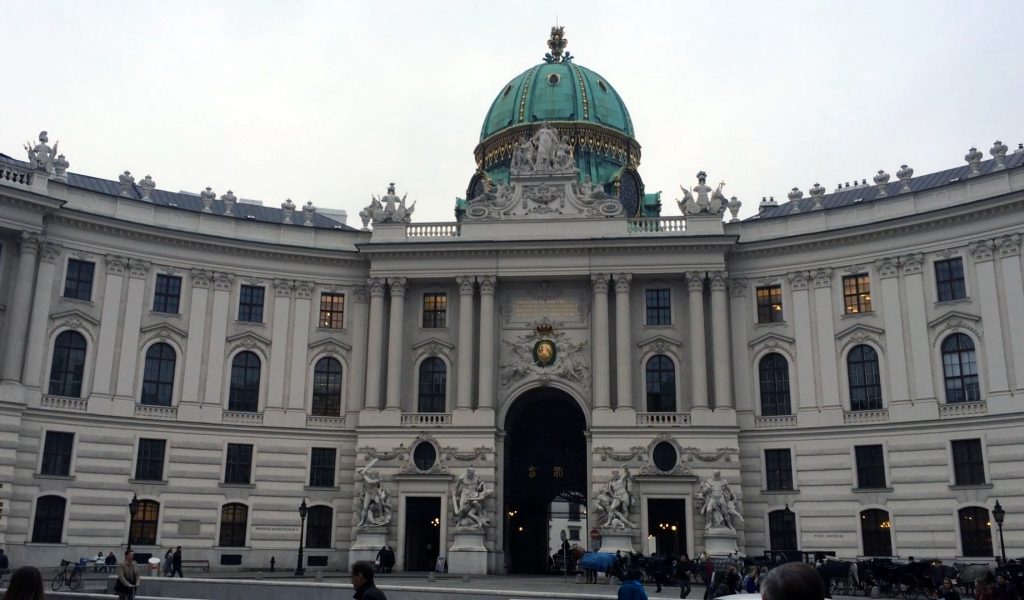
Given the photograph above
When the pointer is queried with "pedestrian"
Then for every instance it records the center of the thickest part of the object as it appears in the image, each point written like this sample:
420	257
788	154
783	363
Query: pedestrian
982	589
167	562
127	577
99	563
631	588
381	559
793	581
947	591
26	584
733	581
1004	590
111	562
176	563
683	574
750	580
5	564
362	581
760	577
658	568
709	571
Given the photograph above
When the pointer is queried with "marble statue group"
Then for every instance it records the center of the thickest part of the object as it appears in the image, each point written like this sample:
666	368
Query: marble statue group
467	500
615	500
544	152
375	505
719	504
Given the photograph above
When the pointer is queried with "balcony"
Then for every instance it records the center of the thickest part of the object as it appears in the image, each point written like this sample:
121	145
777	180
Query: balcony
64	403
962	409
432	230
426	419
151	411
242	418
775	422
11	174
857	417
662	419
322	422
667	225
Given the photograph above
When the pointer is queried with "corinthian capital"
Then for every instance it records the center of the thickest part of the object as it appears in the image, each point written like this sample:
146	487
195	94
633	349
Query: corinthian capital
912	263
398	285
718	280
116	265
695	281
487	284
376	286
982	250
139	267
29	242
622	282
823	278
466	284
599	282
1008	245
798	280
887	267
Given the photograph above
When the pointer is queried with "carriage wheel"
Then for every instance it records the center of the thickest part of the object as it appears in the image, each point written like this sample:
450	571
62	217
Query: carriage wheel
907	585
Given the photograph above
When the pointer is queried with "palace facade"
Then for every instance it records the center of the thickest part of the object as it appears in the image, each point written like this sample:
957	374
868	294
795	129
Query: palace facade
851	361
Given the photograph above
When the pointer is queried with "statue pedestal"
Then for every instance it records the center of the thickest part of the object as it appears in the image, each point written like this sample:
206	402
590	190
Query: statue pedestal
617	539
468	555
369	541
720	541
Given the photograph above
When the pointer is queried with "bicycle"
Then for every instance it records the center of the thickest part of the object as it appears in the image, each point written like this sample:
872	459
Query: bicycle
72	580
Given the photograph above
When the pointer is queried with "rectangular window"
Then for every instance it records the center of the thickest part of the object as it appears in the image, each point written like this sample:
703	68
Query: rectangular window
57	453
949	279
968	464
332	311
321	467
659	307
857	294
238	468
769	304
78	283
250	304
574	511
870	466
167	294
149	466
778	468
435	310
574	534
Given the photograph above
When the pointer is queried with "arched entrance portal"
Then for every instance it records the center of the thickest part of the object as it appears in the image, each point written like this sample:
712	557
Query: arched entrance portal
545	460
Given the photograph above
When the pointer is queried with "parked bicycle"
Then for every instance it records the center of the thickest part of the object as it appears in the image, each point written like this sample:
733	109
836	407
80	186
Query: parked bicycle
70	578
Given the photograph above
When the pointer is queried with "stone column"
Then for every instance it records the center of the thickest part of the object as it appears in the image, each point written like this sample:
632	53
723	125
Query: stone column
464	383
1008	247
825	322
104	373
192	379
720	341
896	355
599	370
21	308
485	398
222	284
917	323
300	345
739	317
698	351
805	345
41	299
988	299
396	342
126	371
356	322
374	343
279	350
623	338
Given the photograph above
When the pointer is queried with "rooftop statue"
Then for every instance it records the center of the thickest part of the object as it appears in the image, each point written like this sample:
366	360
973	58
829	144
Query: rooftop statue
387	209
41	156
467	500
615	499
719	504
707	201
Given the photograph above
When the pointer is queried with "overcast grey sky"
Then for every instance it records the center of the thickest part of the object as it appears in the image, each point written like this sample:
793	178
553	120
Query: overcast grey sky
329	101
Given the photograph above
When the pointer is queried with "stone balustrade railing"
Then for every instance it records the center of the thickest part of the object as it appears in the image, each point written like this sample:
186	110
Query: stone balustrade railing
426	419
15	175
64	403
432	230
242	418
961	409
855	417
775	422
320	422
655	419
150	411
659	225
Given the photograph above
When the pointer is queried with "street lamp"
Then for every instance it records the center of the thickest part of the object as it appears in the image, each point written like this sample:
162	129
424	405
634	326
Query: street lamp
133	507
303	509
999	514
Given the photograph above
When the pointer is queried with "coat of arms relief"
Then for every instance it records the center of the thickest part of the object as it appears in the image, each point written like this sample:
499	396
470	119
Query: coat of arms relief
545	353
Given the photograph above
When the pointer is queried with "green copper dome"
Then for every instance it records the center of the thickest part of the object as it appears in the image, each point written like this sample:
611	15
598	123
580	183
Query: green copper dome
557	91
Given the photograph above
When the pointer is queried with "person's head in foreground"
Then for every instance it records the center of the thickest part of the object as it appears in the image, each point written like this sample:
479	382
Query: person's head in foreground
26	584
793	581
362	574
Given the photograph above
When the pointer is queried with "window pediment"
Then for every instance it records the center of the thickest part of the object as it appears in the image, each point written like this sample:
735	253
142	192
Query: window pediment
164	330
74	315
768	338
331	346
954	318
861	329
660	344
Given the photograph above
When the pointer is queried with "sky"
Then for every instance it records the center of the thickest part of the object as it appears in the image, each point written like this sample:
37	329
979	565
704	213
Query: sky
330	101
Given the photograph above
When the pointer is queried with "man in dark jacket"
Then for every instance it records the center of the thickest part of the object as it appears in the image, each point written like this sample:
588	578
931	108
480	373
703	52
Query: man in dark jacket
176	563
362	581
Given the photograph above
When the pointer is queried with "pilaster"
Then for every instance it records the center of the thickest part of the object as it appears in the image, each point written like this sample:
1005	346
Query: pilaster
917	324
41	299
720	339
1008	248
116	267
623	339
805	346
396	341
374	343
464	369
599	372
138	269
825	322
300	345
888	271
488	283
21	307
356	322
192	380
222	284
988	297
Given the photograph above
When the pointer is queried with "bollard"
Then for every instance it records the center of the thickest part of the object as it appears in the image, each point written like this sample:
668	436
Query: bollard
579	578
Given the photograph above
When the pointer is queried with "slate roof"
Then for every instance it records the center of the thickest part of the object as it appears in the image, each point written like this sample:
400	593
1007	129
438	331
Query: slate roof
868	193
263	214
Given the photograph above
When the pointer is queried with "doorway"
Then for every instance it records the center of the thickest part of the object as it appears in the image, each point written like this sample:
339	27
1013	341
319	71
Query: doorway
422	532
545	473
666	526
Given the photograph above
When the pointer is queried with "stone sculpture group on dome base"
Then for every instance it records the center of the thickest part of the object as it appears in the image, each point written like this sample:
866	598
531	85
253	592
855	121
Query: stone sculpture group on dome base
387	209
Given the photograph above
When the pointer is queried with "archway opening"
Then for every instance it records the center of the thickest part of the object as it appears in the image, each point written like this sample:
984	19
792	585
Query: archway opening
545	479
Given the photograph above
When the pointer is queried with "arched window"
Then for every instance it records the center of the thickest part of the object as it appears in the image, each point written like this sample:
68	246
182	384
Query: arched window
661	384
865	382
318	527
245	382
327	387
48	526
433	382
158	376
782	529
234	520
876	532
975	531
960	369
68	365
774	376
143	532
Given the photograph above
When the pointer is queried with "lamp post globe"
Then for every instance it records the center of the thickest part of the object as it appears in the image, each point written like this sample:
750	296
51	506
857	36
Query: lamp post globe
303	510
133	508
999	515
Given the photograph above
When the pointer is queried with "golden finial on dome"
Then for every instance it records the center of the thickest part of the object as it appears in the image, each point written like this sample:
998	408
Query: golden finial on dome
557	43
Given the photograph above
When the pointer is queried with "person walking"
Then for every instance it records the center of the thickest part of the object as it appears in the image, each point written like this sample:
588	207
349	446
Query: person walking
5	564
127	577
750	580
362	581
176	563
111	562
26	584
631	588
167	562
683	568
982	589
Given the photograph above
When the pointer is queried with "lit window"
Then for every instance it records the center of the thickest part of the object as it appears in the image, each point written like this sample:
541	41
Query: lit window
857	294
332	311
769	304
435	310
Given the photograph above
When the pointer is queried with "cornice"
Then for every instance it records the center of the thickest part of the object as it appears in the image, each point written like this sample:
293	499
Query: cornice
592	246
